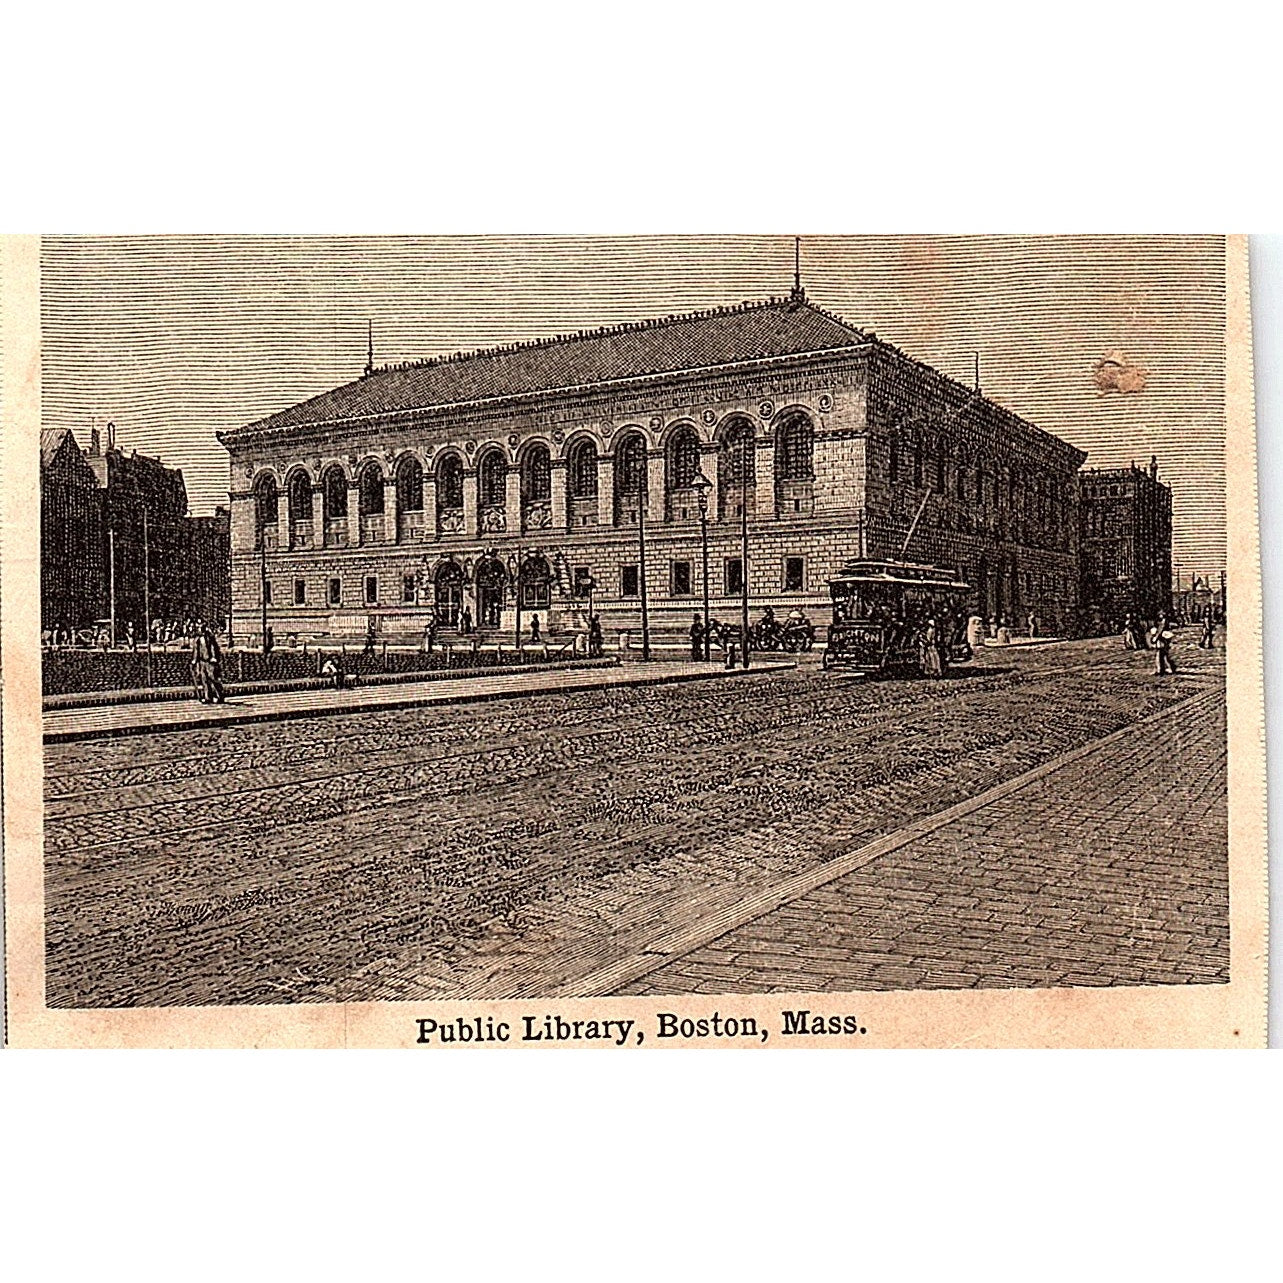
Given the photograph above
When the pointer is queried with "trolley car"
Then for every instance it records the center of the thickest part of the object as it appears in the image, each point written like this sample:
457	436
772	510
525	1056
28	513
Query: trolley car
888	615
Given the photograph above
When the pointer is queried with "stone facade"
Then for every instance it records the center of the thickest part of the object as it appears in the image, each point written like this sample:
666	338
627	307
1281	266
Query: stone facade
430	490
1125	517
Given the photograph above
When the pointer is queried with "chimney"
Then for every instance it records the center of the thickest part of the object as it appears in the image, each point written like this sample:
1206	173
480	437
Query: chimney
1153	467
111	435
94	443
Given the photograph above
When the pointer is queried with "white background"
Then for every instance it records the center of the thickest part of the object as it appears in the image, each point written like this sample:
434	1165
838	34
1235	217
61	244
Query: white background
659	118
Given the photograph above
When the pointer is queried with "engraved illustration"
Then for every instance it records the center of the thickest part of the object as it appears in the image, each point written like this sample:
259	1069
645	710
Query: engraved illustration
424	621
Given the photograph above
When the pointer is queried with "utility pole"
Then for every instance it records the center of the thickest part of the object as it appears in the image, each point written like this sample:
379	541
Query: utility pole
644	498
147	590
111	582
262	581
746	444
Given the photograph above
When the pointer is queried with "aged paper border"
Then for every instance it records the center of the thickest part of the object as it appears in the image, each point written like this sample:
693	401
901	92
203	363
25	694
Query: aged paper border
1152	1016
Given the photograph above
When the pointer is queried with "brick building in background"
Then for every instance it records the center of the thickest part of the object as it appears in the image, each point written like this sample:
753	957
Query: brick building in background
427	489
1125	533
115	524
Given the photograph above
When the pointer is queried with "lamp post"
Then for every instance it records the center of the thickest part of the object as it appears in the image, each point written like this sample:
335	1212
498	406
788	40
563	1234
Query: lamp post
702	485
643	497
745	446
262	585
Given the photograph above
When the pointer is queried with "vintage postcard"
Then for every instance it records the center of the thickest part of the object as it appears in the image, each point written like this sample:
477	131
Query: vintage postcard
631	642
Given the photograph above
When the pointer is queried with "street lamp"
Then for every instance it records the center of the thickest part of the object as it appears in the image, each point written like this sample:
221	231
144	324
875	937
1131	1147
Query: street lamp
746	445
643	498
702	485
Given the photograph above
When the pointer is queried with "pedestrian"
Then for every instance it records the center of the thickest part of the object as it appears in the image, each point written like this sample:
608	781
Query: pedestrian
1129	634
129	635
1208	639
331	670
929	656
534	630
207	665
594	636
465	621
975	632
1033	625
697	639
1160	638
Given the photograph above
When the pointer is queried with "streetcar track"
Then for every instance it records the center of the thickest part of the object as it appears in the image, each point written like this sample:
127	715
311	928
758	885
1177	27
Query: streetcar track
356	805
94	766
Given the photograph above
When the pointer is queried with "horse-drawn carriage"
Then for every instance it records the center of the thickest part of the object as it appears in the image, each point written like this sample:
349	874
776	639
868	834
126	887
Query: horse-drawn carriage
793	634
893	615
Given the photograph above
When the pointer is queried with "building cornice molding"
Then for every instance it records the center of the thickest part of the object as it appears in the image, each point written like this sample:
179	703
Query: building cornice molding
239	438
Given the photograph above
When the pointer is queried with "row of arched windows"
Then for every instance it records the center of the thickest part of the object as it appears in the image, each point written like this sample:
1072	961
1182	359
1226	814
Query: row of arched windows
683	451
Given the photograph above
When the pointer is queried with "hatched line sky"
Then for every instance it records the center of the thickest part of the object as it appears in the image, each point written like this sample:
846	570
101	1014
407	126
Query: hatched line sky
176	338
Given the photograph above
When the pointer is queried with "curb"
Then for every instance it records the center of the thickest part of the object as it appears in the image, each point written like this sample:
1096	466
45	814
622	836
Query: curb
181	694
424	699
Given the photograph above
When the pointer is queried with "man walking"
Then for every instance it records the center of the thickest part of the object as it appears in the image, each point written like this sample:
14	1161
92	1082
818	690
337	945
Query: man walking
1160	638
697	639
207	663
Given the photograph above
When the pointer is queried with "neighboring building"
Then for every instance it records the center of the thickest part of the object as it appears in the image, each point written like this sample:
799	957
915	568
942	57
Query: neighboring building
1125	532
451	484
207	562
114	527
71	550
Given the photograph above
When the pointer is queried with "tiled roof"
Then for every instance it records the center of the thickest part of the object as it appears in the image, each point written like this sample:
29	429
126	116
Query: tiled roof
777	327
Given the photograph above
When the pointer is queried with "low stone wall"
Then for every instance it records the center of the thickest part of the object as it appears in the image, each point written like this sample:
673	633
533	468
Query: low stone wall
67	672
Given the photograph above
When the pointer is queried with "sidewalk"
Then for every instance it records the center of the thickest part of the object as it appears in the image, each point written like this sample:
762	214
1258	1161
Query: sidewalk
1105	866
99	722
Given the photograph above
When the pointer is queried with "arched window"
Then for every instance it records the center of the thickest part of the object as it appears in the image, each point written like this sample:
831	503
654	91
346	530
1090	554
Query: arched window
535	582
409	485
334	488
300	490
581	470
266	511
795	448
736	468
536	474
630	477
492	479
450	482
682	459
370	485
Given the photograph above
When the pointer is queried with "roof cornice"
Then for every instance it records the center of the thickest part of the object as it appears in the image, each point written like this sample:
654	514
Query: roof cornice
253	432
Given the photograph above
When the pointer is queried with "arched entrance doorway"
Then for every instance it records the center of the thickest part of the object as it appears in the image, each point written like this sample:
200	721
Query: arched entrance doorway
490	592
449	594
535	583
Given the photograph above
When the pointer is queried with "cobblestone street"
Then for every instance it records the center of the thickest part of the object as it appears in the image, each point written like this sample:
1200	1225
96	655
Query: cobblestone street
1108	870
517	848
